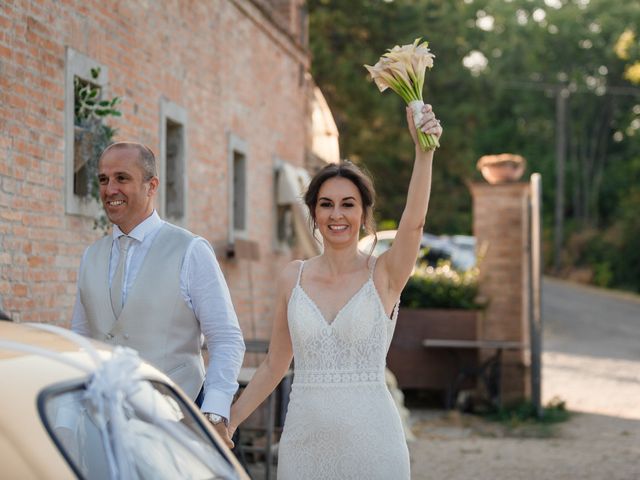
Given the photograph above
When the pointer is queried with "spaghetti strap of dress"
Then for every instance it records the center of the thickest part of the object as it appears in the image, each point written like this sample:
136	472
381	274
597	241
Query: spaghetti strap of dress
372	265
300	273
394	311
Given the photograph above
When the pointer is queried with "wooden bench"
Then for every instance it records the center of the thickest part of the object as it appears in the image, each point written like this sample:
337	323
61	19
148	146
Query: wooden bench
489	372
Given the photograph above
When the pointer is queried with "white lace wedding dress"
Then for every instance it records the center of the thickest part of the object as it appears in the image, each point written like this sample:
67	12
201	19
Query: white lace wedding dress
342	422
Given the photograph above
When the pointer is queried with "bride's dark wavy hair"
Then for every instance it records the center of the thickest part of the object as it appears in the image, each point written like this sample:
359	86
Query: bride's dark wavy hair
359	177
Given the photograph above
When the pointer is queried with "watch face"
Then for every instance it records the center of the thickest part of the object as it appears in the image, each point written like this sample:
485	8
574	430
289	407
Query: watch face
213	418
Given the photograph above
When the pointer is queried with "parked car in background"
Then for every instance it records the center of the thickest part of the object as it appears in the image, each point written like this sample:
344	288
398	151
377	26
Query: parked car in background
464	251
458	249
74	408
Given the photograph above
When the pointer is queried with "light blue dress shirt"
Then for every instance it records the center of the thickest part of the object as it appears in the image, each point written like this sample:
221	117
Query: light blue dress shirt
205	291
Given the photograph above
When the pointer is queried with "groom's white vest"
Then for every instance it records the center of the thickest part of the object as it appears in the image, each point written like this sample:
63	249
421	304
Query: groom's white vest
155	319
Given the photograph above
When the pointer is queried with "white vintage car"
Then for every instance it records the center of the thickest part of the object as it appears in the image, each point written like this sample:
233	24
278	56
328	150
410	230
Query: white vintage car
74	408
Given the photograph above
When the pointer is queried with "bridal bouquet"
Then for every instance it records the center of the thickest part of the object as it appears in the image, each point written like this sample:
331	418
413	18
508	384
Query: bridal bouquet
402	69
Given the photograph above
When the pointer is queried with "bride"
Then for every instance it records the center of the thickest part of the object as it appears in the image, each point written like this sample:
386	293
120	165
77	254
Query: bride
335	314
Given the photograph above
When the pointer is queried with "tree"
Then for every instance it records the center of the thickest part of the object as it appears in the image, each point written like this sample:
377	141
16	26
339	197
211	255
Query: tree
518	54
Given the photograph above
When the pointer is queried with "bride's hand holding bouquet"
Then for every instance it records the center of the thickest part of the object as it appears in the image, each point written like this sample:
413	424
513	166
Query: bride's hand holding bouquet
427	126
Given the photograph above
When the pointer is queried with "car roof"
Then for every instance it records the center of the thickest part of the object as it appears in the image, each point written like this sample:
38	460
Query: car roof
41	341
27	450
32	336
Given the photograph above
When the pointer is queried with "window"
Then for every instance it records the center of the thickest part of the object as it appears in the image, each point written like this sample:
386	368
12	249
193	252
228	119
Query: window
83	171
79	144
285	236
173	178
283	200
162	434
239	191
238	221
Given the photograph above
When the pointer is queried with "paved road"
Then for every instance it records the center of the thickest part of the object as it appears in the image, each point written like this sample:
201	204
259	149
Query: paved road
590	321
591	349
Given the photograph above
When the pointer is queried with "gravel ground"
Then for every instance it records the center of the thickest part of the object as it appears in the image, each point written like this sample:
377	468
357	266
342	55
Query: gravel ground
589	446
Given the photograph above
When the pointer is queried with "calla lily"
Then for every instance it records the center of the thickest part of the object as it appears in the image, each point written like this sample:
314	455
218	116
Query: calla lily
402	69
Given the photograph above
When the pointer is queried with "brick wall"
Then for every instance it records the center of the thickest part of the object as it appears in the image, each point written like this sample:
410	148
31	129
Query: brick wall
226	62
500	224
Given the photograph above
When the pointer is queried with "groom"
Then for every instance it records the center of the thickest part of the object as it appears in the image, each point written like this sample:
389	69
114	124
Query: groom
158	288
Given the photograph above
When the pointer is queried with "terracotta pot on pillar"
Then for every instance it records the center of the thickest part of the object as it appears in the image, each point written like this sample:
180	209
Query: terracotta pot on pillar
502	168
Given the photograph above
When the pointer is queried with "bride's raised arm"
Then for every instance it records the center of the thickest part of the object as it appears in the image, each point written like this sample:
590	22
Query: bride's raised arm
397	262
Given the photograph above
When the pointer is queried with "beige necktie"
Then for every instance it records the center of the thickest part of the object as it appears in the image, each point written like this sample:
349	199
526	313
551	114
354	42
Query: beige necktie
117	284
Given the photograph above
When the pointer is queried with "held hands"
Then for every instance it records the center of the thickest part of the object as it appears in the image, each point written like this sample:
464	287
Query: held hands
429	124
222	430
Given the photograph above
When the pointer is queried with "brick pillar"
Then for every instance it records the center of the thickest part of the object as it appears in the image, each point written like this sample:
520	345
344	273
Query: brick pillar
501	226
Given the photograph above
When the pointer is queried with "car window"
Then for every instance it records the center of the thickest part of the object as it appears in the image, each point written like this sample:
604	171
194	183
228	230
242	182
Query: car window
159	436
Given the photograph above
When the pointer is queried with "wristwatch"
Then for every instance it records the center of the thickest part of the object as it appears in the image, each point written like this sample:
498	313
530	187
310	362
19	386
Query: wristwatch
215	419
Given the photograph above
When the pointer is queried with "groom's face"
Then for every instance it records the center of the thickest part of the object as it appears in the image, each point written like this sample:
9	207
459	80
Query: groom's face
127	196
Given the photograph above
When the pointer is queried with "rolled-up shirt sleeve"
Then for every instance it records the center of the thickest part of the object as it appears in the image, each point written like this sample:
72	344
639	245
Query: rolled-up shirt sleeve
206	291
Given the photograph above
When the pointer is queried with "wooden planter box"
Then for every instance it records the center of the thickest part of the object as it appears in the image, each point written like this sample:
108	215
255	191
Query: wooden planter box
418	367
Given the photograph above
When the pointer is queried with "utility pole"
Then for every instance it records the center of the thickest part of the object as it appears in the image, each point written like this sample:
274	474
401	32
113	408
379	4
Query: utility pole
562	93
535	291
562	96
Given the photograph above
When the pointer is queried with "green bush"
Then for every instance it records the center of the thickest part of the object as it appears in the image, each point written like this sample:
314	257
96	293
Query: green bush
442	287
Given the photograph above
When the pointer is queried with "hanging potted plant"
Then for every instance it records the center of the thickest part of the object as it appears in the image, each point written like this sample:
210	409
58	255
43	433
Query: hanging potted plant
91	136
